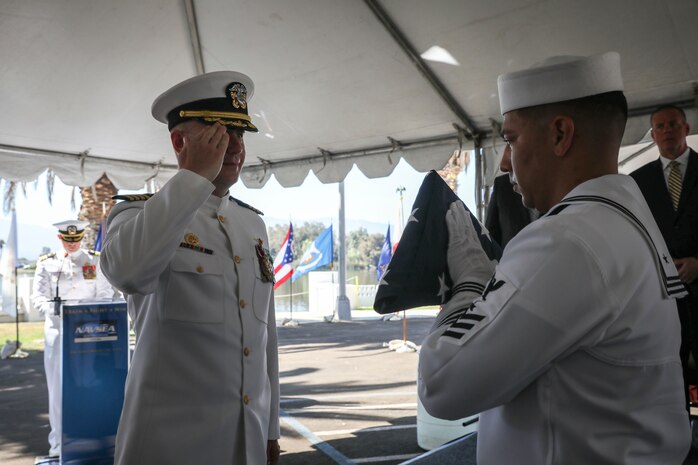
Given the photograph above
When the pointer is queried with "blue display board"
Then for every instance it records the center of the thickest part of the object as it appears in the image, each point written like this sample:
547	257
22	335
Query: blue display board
95	364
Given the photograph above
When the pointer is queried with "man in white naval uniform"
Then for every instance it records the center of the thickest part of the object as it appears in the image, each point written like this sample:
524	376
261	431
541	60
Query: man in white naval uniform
73	275
571	348
194	263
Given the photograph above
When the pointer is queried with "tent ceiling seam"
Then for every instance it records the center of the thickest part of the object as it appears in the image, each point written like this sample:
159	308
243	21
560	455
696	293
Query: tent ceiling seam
402	41
636	154
267	165
363	152
80	157
194	36
683	103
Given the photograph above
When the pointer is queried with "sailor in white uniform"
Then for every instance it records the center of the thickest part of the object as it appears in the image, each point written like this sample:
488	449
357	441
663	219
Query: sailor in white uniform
73	275
570	347
194	264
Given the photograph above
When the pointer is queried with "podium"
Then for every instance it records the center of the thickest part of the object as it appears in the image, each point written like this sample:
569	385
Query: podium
94	366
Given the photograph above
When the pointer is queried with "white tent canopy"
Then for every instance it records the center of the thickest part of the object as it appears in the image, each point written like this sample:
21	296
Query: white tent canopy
338	82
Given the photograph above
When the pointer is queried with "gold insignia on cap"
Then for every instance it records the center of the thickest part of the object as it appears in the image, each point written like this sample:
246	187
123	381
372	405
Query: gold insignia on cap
238	95
71	232
191	239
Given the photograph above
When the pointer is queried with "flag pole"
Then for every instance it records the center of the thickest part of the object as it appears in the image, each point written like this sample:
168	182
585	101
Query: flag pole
404	345
330	318
290	321
16	311
404	327
18	352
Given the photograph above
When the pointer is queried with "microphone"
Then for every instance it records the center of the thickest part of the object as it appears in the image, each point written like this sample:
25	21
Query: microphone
57	299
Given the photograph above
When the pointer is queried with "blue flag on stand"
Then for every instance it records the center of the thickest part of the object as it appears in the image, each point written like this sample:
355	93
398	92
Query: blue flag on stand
318	254
386	255
101	232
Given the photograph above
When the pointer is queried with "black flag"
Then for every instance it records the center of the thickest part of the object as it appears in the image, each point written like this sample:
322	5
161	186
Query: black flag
418	273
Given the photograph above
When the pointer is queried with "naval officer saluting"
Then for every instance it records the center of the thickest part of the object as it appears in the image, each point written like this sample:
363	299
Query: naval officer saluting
193	263
71	275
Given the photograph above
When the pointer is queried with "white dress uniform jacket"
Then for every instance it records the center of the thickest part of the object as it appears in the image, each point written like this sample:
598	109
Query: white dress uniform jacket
79	277
203	386
572	352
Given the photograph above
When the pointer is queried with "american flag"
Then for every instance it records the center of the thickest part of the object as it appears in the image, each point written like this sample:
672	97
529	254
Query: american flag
418	274
283	263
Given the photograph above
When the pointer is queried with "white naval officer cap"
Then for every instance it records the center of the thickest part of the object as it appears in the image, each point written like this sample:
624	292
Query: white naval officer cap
217	97
558	79
71	230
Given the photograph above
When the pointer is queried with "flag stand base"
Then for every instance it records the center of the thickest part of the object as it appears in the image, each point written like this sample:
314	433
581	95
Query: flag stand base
19	353
11	349
290	322
401	346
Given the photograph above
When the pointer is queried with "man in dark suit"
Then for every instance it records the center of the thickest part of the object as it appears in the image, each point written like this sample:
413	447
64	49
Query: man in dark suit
673	200
506	214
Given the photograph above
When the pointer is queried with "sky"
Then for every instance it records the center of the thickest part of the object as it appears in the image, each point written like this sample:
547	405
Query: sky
366	200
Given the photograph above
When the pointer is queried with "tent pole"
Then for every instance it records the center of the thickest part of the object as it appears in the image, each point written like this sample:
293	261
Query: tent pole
343	305
16	311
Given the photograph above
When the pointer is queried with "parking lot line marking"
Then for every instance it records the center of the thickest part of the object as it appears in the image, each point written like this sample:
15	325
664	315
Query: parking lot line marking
341	432
330	451
385	458
437	450
347	396
339	408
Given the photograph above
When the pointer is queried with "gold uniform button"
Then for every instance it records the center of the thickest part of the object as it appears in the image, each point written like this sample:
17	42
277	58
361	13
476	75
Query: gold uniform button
237	259
246	399
200	269
221	218
246	351
242	303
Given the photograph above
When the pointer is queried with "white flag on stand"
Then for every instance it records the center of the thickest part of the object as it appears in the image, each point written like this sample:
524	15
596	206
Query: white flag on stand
8	264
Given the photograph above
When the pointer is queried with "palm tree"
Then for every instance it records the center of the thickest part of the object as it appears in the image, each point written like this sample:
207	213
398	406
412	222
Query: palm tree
458	161
96	204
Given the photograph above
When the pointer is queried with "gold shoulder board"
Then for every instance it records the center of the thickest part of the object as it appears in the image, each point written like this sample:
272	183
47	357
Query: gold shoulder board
132	197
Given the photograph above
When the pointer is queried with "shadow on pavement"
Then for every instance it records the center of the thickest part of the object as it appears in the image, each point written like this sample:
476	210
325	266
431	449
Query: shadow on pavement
23	395
23	409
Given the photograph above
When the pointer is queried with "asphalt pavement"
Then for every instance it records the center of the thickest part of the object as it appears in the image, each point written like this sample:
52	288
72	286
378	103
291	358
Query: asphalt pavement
346	398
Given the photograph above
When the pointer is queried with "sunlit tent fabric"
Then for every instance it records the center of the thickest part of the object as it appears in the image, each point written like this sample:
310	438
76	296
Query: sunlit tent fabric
418	273
99	121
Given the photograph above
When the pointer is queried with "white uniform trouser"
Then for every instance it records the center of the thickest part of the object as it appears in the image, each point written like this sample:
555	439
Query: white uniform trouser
52	366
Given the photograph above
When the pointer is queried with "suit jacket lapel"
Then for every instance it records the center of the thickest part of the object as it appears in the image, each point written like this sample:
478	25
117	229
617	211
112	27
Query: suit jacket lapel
659	182
657	195
689	180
